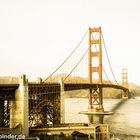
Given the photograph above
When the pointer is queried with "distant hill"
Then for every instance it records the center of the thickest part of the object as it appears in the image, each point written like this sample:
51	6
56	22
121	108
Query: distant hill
8	80
134	89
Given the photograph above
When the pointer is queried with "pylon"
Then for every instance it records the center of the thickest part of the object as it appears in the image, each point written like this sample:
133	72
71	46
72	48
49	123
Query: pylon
125	82
124	77
95	108
95	95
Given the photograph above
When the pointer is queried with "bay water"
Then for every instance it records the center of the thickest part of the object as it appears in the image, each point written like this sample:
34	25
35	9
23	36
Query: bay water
124	123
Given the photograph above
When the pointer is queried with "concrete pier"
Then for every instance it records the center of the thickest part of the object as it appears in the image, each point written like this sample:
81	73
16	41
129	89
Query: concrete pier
19	112
62	103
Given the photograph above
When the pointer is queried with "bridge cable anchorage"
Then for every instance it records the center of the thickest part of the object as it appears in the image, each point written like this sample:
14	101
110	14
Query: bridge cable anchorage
66	58
109	59
102	64
78	62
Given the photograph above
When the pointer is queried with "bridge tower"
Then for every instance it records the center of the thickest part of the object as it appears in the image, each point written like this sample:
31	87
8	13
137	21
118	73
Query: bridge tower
125	82
95	52
124	77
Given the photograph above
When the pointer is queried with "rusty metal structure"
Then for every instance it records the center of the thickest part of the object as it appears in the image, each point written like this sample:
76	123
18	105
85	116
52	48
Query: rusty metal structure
7	92
44	104
95	51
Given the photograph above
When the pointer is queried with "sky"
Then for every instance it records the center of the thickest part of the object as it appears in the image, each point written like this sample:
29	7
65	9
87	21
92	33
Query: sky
37	35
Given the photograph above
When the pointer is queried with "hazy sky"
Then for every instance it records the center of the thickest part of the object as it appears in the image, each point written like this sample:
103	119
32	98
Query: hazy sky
36	35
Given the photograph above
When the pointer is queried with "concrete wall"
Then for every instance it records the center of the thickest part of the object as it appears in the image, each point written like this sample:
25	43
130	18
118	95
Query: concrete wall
19	112
62	102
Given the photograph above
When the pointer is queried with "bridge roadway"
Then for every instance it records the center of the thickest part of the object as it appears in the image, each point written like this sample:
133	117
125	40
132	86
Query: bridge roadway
9	89
78	86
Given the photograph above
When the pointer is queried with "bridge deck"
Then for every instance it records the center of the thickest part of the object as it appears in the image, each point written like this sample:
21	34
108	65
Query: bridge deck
78	86
67	86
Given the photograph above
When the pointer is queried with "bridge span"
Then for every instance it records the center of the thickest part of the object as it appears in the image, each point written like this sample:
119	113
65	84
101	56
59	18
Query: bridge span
80	86
8	90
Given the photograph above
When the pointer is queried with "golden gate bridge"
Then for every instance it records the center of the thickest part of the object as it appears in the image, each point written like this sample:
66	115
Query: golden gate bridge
35	104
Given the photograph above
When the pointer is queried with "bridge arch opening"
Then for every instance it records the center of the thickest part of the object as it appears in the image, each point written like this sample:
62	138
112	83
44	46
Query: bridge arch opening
42	116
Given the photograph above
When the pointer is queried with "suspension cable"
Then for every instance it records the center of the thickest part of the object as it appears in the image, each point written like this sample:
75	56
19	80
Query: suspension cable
106	75
109	59
76	64
67	57
78	61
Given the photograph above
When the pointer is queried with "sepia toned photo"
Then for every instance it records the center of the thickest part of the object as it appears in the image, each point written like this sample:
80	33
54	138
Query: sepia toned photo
69	70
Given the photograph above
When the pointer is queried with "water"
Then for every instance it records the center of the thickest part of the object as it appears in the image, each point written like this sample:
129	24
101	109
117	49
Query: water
125	122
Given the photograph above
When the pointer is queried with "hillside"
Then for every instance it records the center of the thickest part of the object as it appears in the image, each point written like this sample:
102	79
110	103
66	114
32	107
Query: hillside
8	80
